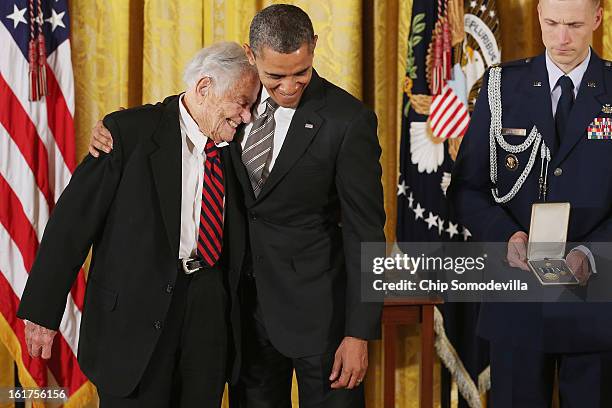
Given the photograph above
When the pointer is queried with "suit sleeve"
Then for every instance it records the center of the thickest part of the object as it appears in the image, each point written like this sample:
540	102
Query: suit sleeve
603	232
597	245
72	228
358	181
470	189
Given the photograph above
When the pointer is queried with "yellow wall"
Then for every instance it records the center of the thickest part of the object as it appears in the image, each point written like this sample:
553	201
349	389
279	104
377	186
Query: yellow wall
126	53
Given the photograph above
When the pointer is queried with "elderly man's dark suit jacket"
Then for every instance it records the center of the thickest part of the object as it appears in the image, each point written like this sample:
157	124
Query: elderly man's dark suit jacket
323	198
128	205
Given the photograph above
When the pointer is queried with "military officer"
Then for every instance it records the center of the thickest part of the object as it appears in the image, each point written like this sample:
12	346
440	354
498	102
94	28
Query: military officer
541	131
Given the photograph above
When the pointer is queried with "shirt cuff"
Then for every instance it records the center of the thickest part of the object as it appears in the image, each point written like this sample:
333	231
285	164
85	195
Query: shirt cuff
589	255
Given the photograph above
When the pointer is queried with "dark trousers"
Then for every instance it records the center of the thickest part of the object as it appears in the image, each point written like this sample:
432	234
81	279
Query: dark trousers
266	374
525	378
188	365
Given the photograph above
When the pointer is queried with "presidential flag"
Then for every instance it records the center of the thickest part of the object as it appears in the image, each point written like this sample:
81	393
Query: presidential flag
451	43
37	158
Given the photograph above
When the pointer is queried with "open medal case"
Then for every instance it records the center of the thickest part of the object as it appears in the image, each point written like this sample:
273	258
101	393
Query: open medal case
546	247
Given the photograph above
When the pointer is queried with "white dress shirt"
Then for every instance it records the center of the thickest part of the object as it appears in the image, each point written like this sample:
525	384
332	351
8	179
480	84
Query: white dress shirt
554	73
193	158
576	75
282	117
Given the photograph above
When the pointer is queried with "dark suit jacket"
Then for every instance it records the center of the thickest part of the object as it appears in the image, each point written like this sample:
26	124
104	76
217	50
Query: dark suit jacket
127	204
322	199
584	180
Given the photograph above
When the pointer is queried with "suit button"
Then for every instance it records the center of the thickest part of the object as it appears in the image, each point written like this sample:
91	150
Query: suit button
157	324
558	171
169	288
253	216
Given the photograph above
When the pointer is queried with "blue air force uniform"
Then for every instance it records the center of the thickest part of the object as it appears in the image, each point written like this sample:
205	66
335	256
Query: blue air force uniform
530	340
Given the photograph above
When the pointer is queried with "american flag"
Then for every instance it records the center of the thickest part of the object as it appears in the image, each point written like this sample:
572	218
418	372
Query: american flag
37	158
449	117
451	44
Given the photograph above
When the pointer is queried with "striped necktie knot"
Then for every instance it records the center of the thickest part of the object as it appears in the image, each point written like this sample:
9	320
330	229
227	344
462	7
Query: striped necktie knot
211	149
271	106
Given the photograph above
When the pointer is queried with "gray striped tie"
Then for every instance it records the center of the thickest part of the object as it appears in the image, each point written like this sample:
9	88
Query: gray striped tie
258	149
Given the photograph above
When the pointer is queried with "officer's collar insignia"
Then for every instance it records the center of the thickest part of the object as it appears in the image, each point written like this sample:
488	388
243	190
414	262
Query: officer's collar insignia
537	83
592	84
607	109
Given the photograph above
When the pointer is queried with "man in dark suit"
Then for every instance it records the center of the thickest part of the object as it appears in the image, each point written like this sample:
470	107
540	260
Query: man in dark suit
564	93
154	327
317	197
311	183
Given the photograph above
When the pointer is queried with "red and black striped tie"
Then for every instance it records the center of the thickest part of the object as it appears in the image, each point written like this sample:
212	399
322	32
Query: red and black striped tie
210	237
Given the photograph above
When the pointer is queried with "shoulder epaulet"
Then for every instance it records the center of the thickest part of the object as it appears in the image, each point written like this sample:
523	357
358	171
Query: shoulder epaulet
515	63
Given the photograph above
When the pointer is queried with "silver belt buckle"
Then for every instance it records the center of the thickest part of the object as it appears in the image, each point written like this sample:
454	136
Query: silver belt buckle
186	268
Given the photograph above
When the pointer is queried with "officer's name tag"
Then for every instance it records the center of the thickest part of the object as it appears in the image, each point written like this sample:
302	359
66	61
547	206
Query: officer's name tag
513	132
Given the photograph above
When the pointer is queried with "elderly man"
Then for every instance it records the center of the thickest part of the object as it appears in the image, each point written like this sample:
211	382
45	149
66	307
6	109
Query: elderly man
154	331
564	94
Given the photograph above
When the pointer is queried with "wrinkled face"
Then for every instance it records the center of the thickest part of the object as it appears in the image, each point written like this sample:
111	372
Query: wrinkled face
218	116
285	76
567	29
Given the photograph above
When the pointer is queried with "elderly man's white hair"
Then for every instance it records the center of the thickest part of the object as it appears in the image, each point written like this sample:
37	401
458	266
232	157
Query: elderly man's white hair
223	62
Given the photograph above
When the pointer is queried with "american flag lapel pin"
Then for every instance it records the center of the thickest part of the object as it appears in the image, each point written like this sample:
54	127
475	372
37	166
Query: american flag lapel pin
308	125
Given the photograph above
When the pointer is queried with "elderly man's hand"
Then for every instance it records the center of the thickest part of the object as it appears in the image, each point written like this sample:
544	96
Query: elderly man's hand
517	250
579	264
39	340
350	363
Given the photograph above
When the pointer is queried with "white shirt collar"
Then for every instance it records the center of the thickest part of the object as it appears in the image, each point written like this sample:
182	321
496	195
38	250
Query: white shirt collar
554	72
261	106
192	130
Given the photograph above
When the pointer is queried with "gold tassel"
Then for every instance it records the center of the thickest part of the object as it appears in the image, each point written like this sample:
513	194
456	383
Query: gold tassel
42	65
33	71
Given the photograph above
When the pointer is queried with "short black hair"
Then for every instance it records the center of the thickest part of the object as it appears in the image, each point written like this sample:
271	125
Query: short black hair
595	3
282	27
